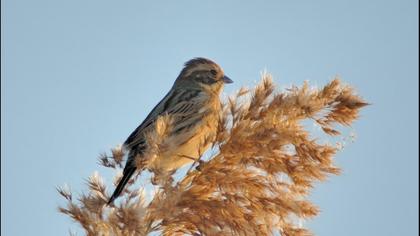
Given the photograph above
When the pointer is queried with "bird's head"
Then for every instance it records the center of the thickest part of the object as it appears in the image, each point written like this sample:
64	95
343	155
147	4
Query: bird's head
202	73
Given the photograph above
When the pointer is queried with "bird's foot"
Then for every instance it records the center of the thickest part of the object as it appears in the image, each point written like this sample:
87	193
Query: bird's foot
200	165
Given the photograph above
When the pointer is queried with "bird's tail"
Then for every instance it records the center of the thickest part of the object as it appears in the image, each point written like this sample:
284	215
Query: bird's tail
127	173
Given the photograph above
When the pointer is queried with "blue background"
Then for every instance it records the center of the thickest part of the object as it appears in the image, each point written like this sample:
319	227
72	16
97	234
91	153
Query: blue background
78	76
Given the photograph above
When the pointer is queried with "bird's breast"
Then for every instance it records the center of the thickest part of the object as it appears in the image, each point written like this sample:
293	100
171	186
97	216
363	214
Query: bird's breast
185	146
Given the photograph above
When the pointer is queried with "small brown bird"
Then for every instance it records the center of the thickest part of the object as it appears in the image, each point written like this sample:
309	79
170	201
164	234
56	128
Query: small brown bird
193	104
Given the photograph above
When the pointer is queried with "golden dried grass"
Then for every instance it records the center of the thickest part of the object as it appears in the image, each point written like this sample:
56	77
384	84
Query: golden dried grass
255	184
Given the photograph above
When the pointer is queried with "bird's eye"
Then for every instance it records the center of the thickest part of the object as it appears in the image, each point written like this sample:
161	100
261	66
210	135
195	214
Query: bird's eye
213	72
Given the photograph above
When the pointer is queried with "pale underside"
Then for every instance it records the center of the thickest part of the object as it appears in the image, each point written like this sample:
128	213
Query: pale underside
181	148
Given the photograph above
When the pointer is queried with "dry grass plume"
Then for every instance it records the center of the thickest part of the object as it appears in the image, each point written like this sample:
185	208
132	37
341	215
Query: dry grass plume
257	181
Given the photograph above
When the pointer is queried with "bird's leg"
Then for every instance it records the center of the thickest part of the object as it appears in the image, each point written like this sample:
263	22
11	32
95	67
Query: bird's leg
188	157
200	162
195	161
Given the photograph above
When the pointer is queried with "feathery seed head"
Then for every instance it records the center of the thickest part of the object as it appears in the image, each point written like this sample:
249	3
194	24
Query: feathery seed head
256	183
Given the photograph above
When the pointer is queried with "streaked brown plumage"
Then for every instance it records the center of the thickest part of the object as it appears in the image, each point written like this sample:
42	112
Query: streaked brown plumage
193	104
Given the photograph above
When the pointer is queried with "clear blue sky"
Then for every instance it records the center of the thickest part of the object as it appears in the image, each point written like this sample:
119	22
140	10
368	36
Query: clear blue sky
78	76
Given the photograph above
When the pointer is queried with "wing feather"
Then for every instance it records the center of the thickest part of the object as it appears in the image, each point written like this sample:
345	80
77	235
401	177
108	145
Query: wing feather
182	105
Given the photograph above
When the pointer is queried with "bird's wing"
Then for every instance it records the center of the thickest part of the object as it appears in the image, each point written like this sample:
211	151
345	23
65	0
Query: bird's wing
182	105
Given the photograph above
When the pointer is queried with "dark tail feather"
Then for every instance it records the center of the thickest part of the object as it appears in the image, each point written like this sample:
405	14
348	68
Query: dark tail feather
128	172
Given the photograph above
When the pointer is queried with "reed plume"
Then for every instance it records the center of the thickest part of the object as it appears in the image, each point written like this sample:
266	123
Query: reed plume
255	182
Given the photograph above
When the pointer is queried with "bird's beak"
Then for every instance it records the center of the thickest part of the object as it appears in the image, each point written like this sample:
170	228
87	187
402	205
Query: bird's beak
227	80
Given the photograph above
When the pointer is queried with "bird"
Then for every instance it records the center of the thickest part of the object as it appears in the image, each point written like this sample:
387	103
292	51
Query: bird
194	105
